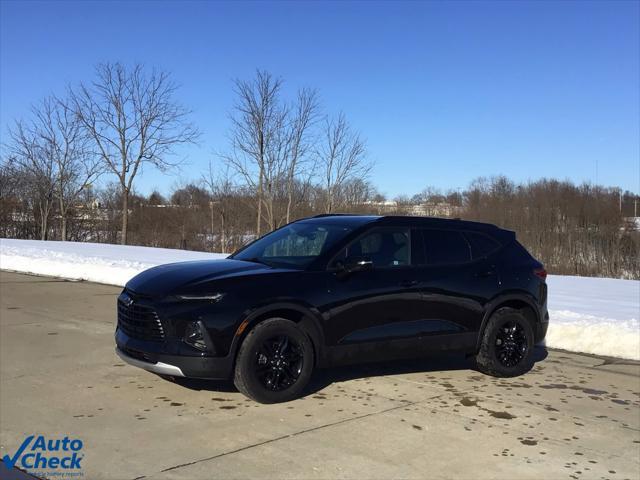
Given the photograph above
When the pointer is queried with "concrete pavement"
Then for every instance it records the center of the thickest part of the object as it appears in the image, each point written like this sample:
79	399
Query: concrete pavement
572	416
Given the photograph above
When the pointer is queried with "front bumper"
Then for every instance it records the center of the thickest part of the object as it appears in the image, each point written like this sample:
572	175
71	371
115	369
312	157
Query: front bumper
152	356
158	367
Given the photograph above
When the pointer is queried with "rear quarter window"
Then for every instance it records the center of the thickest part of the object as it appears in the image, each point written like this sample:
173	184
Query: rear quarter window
481	244
518	254
442	247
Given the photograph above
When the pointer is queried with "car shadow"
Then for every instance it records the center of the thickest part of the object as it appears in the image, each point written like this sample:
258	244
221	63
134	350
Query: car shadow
324	377
210	385
440	363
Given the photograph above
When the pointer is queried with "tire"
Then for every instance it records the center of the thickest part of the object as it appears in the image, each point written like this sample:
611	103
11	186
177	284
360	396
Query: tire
269	369
506	347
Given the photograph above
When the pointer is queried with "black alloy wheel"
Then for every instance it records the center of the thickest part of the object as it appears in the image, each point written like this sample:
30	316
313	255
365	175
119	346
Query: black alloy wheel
506	344
511	344
279	362
274	362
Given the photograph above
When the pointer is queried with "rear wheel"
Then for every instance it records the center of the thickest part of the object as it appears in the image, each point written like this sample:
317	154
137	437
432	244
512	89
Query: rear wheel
506	348
275	362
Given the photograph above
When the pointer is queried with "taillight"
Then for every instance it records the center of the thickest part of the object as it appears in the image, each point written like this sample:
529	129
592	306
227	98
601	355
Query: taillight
541	273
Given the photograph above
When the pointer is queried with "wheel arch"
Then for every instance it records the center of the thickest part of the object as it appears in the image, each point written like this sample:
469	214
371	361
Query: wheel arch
302	315
522	301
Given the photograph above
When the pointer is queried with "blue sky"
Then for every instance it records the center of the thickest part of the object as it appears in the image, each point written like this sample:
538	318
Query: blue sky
443	91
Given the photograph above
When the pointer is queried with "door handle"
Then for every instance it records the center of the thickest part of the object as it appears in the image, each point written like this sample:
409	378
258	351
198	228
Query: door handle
409	283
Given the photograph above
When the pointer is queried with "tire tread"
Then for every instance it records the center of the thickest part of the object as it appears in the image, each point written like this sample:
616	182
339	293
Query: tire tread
241	379
486	361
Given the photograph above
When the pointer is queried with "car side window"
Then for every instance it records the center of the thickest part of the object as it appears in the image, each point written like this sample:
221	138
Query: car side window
385	247
444	247
481	244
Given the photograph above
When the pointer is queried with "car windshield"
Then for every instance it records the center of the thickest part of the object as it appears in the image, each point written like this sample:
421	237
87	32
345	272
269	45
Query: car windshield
295	245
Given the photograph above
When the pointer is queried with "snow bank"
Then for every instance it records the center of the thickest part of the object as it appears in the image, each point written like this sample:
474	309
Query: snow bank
96	262
591	315
594	315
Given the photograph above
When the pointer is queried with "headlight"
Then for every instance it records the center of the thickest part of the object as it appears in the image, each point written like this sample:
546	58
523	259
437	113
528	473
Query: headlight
213	298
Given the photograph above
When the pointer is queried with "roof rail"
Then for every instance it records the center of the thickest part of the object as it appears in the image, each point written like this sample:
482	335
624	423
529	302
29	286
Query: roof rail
337	215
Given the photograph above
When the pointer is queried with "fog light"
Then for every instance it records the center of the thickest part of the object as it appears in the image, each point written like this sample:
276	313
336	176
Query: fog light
195	336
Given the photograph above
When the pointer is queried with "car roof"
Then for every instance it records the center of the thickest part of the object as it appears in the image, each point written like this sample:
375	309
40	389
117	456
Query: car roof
426	222
434	222
341	219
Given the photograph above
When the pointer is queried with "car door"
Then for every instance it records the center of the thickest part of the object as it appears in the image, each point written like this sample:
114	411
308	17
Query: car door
376	305
455	285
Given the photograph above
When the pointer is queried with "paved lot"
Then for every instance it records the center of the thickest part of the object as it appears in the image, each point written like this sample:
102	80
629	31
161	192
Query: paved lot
572	416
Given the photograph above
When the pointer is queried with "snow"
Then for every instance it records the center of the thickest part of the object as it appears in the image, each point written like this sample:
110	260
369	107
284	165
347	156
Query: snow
95	262
591	315
594	315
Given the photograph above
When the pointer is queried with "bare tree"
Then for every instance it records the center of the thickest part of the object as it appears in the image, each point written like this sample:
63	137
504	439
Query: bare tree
271	144
13	199
299	142
356	193
133	119
276	168
222	193
254	123
29	150
341	157
66	143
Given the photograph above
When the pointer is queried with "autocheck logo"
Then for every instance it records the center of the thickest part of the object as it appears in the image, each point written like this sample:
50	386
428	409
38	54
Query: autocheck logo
56	457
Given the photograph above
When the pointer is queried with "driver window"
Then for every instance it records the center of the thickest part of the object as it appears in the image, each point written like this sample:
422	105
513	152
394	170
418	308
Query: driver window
386	248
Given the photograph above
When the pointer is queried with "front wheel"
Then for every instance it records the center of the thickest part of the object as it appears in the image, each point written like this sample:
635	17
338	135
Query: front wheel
275	362
506	347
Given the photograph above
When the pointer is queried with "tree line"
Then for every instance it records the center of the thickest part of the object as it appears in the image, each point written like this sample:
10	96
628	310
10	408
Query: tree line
69	172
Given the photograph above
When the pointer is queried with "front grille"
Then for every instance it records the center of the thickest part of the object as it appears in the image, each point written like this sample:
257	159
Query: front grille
139	321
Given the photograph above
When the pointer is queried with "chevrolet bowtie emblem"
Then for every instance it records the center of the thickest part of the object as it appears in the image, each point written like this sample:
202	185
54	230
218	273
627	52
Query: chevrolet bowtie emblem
128	301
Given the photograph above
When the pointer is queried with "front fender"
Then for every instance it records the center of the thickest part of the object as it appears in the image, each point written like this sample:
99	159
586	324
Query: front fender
307	316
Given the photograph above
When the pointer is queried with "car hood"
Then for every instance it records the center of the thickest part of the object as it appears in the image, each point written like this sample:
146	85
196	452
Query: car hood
181	277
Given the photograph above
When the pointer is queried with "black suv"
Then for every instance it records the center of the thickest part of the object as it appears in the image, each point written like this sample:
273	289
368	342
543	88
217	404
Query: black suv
336	289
